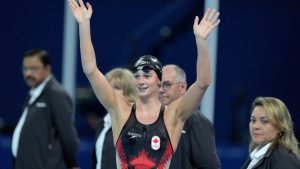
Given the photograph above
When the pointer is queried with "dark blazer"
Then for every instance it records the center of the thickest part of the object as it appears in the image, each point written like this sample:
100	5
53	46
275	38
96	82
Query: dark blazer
279	158
196	148
108	160
48	139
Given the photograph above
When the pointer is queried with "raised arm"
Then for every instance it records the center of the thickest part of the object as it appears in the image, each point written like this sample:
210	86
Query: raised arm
189	102
100	85
83	15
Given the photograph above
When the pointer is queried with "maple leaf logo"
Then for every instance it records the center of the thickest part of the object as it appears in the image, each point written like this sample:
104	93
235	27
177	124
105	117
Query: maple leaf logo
155	140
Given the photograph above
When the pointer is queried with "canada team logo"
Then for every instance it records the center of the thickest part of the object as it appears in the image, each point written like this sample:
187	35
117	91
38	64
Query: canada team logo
155	143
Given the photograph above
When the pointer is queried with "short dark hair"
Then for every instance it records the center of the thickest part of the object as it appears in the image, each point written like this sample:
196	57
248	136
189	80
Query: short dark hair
41	54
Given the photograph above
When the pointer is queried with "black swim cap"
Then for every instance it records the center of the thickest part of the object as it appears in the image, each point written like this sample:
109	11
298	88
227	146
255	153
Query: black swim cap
147	63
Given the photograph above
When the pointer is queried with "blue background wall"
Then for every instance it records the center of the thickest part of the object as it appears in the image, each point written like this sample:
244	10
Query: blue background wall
258	55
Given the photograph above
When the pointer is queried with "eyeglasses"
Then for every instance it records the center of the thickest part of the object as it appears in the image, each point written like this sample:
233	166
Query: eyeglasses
166	85
32	69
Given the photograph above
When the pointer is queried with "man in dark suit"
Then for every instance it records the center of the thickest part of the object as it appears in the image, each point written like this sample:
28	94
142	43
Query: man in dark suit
45	136
196	148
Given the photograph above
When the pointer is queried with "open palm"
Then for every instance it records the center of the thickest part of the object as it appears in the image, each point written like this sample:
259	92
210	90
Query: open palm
208	22
80	11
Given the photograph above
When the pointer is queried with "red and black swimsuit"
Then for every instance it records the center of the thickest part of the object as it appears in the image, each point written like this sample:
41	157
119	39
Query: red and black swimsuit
142	146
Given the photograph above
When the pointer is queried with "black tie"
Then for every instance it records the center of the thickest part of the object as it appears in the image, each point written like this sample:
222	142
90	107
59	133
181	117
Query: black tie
26	103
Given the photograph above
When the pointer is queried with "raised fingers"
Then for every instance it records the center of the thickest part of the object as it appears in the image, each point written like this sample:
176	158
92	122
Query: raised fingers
81	3
196	21
89	6
215	18
212	16
211	13
216	23
205	17
73	4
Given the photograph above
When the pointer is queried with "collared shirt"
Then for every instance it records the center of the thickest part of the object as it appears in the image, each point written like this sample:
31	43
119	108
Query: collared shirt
100	140
34	94
258	154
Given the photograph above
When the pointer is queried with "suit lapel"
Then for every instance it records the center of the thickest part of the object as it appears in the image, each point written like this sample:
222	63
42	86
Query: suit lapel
246	164
258	163
49	83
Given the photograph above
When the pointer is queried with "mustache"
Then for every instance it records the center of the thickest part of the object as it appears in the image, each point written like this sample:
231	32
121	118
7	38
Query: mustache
30	78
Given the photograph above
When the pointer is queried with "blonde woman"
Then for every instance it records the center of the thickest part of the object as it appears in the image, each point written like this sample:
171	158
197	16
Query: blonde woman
273	144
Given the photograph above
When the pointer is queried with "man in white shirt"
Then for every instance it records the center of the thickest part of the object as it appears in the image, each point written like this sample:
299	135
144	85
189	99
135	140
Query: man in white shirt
45	136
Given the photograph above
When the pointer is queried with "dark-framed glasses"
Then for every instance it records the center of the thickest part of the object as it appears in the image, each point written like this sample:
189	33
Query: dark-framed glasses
166	85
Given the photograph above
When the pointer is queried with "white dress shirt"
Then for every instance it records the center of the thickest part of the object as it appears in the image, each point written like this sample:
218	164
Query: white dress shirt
258	154
100	139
